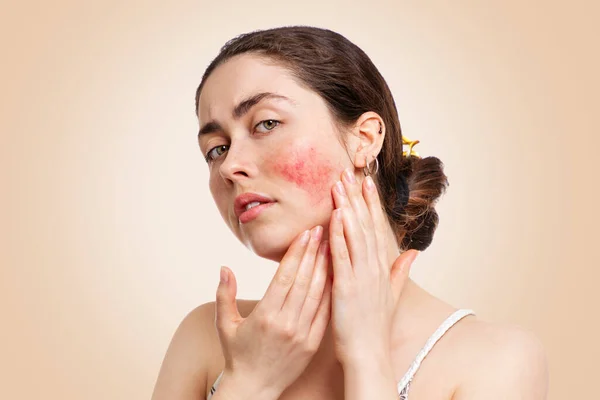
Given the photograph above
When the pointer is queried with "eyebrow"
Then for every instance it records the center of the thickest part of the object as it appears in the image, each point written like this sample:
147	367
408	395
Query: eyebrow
242	109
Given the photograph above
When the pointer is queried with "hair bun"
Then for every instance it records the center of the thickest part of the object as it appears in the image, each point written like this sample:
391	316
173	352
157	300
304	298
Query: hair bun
402	192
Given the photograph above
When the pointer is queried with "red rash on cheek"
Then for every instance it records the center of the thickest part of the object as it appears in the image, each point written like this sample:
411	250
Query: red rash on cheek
309	172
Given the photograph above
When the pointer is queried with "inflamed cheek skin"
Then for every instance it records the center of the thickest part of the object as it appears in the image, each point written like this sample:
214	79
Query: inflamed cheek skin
308	170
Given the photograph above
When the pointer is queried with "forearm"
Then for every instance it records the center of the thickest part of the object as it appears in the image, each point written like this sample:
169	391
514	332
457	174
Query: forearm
370	379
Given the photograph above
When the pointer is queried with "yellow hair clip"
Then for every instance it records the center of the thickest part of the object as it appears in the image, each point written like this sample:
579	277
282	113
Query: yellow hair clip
411	144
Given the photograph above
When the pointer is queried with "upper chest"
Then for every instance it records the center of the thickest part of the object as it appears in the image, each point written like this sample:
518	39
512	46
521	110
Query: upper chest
435	379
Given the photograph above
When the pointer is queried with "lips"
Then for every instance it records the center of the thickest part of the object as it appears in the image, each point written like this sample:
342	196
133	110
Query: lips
243	200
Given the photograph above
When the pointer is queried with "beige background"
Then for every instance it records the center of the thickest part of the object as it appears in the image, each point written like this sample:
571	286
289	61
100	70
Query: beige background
109	234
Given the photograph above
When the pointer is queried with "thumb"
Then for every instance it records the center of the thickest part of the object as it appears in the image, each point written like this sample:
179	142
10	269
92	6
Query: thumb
227	312
400	271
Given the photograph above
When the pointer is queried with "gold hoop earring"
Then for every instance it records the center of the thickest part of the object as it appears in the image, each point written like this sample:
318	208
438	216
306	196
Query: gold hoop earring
367	168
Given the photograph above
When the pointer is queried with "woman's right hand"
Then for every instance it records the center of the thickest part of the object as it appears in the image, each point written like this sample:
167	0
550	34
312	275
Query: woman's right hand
267	351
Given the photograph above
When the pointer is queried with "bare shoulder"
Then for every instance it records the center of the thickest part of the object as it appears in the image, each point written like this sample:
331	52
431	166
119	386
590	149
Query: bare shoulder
194	346
499	361
207	310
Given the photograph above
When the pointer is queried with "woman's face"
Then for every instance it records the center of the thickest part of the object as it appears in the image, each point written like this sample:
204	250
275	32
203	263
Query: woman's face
281	150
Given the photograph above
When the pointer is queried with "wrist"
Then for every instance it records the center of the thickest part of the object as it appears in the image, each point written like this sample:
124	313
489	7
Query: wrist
370	357
370	378
241	387
369	366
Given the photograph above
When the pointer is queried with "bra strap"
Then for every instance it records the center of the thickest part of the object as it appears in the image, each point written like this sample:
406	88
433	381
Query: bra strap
443	328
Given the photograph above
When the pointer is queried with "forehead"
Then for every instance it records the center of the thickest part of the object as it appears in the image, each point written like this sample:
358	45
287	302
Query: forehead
240	77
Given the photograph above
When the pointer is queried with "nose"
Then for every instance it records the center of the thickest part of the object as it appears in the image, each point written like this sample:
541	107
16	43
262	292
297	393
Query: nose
238	164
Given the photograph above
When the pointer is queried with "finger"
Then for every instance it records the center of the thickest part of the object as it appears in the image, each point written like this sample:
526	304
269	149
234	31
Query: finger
356	200
358	222
340	256
355	238
379	219
294	301
226	311
400	271
322	317
284	276
315	292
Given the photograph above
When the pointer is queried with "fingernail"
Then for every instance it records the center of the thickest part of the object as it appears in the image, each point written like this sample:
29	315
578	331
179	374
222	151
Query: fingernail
340	188
349	176
316	232
224	276
305	236
370	183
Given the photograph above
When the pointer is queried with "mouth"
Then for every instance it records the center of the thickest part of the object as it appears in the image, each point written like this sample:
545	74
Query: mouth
248	206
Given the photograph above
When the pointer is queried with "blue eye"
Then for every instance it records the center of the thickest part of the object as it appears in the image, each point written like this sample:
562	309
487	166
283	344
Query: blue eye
216	152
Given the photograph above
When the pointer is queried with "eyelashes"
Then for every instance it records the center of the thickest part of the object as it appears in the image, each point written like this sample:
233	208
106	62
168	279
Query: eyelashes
210	156
268	120
217	151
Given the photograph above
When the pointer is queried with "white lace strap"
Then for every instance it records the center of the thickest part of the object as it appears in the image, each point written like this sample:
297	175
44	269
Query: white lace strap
447	324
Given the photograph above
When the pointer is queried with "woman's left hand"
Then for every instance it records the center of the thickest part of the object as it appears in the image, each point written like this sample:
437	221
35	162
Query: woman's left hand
366	281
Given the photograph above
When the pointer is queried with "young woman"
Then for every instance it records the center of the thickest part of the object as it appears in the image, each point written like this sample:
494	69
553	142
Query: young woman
307	167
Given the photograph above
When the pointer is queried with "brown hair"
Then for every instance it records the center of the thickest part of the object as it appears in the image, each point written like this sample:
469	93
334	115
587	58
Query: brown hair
346	78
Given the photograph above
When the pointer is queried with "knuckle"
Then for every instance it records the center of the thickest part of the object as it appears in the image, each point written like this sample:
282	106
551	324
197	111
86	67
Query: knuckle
266	322
338	233
300	338
298	341
343	254
302	281
310	347
285	279
288	331
314	295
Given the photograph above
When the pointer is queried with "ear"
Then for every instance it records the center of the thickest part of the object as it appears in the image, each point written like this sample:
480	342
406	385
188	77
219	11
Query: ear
364	140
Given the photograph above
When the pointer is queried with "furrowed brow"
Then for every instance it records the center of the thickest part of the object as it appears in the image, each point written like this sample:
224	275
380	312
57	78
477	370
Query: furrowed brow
209	128
242	109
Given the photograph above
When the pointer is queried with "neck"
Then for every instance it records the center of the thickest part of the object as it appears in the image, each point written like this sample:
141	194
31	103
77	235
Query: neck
415	314
408	321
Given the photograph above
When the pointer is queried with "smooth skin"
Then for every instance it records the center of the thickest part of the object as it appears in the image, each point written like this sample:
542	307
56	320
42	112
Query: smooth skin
285	328
377	317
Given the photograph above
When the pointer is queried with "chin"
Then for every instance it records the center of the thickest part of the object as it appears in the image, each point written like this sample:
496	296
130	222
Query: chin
269	252
271	239
269	244
270	235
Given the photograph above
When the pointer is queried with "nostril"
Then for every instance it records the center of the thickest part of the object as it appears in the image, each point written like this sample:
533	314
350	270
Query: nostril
233	173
